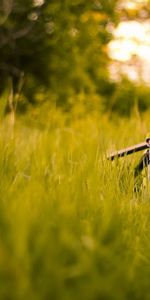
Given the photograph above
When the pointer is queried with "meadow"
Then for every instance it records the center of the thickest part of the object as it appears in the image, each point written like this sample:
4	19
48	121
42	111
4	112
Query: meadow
71	226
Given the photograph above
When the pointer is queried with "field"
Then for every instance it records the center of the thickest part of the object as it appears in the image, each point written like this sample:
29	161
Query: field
71	226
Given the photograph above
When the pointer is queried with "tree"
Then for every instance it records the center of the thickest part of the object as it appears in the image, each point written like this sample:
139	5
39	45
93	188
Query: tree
131	77
60	45
23	41
78	47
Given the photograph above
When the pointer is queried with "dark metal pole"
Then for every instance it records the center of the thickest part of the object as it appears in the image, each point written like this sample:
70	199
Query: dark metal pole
129	150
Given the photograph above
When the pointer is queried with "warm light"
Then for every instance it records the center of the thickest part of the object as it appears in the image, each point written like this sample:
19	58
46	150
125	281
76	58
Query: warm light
38	2
130	38
131	47
144	52
130	30
122	50
132	4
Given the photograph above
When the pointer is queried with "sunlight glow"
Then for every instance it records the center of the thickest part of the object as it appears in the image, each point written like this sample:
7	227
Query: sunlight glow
132	4
122	50
130	38
130	30
131	47
38	2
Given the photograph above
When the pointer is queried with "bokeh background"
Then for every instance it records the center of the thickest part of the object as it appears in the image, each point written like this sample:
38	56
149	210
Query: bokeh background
78	57
74	86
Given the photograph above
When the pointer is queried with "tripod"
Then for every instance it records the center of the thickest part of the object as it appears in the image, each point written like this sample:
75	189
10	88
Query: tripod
143	163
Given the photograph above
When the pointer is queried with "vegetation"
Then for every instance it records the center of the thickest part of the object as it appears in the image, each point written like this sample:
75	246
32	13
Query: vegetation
71	225
42	41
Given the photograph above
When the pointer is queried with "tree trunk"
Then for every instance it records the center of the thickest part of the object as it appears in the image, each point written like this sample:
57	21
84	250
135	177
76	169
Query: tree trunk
10	111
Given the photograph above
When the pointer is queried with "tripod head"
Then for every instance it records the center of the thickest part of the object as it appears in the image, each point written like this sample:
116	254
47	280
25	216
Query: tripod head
130	150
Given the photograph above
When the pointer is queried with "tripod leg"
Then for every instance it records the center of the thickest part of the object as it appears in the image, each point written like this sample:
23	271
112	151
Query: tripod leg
144	162
148	171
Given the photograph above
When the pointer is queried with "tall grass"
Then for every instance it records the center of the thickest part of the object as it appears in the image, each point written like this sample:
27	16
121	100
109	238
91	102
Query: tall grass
71	226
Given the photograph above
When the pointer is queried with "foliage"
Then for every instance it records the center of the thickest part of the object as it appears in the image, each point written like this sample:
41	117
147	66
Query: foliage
56	53
127	95
57	45
24	42
71	226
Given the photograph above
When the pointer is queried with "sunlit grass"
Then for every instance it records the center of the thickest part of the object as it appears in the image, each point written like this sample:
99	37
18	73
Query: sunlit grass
71	226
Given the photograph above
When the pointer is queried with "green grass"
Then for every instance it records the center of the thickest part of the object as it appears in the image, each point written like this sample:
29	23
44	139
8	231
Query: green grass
71	226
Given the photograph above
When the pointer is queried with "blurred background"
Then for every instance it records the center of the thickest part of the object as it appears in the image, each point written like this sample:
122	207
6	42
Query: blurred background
74	87
77	57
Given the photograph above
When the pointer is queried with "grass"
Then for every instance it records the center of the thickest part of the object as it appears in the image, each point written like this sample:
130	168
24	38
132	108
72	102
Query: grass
71	226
